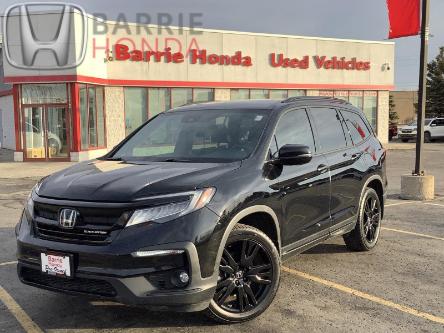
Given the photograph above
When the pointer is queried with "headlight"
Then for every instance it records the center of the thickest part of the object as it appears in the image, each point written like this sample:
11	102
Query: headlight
29	207
163	213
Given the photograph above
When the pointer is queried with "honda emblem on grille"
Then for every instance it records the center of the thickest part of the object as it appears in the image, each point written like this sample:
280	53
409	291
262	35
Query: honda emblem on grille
68	218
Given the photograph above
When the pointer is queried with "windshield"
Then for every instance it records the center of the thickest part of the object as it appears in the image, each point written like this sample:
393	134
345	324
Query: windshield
414	123
196	136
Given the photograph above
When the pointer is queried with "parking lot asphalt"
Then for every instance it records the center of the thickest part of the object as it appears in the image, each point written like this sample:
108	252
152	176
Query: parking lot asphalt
397	287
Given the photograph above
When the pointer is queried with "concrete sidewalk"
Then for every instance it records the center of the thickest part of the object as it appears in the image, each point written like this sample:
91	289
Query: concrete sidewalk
35	170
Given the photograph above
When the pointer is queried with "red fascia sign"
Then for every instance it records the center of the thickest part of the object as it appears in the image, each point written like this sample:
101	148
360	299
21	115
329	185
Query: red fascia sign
123	53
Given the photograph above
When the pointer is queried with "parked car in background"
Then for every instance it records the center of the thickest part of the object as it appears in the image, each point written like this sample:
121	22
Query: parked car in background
433	129
393	130
37	138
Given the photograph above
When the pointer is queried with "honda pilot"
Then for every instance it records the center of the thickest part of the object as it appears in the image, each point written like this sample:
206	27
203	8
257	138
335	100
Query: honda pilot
196	209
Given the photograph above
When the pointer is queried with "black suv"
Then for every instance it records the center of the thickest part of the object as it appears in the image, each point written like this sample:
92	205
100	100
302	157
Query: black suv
197	207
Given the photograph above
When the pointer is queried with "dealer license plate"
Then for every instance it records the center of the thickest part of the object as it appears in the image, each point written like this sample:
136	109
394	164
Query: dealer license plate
56	264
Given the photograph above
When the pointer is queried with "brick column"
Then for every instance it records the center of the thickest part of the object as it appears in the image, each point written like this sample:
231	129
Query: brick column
382	116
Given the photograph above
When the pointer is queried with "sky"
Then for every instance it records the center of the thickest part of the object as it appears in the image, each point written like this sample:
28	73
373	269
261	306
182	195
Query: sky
353	19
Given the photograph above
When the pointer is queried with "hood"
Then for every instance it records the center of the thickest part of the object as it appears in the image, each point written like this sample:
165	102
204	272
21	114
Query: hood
115	181
408	127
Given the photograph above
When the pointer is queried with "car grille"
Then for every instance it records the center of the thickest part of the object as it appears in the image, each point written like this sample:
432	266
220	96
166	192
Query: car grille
93	226
407	131
80	285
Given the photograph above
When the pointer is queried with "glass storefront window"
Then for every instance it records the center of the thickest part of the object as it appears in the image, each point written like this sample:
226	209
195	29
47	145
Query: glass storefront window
341	94
83	116
278	94
355	98
181	96
371	106
258	93
239	94
100	117
203	95
326	93
136	111
92	119
159	100
44	93
295	93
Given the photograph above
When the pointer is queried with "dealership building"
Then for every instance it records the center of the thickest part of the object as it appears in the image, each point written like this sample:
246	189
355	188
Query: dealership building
77	98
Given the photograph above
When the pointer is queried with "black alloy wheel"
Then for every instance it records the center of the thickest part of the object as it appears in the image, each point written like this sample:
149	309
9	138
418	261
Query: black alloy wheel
248	276
365	235
372	218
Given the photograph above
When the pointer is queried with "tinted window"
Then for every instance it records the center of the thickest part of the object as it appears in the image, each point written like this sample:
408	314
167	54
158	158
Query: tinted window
329	128
356	126
294	128
439	122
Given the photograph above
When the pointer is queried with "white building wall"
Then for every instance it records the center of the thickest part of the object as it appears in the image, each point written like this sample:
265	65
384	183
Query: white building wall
7	139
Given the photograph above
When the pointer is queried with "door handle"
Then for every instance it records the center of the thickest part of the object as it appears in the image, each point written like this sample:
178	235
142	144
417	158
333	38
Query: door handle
322	168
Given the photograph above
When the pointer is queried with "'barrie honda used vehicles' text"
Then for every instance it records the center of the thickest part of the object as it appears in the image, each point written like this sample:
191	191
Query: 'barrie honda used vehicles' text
196	208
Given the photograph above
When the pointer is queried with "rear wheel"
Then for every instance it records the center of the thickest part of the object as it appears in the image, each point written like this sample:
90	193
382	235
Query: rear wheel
366	233
249	274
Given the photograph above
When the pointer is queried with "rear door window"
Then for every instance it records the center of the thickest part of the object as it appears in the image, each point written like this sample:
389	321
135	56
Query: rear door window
356	126
331	135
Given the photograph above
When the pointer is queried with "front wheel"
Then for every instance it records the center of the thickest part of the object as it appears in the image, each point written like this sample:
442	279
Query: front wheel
366	233
249	273
427	137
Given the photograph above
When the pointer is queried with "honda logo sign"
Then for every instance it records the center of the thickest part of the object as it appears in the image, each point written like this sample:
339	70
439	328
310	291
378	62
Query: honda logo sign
32	30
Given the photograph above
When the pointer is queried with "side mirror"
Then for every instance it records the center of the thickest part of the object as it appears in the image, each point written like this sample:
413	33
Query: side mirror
294	155
433	125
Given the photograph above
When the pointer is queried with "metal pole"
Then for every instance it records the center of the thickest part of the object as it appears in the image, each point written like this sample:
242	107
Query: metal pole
422	86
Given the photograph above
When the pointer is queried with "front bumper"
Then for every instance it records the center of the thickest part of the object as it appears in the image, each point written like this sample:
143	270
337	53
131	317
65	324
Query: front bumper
407	135
110	272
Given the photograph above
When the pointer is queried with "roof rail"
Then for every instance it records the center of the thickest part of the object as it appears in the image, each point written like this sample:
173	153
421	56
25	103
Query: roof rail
314	98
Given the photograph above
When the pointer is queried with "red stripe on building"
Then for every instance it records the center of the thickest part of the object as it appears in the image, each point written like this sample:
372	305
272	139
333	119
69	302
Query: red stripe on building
194	84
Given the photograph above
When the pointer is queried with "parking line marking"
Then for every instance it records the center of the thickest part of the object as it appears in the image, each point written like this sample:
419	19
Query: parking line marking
8	263
433	204
22	317
366	296
398	203
106	303
412	233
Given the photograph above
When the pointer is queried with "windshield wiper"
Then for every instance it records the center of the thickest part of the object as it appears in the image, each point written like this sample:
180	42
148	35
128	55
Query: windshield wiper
175	160
115	159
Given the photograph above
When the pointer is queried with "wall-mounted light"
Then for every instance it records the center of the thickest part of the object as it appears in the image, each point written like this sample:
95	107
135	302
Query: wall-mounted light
385	66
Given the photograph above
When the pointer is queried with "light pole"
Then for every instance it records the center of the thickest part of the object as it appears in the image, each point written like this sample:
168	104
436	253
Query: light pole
422	87
418	185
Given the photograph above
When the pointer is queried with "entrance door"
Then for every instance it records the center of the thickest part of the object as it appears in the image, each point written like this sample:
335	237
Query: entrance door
46	132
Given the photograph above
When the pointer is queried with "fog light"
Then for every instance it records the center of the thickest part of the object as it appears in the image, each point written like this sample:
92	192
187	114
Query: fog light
184	277
180	279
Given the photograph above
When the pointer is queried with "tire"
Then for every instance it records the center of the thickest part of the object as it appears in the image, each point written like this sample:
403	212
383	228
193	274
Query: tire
258	282
405	140
365	235
427	137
